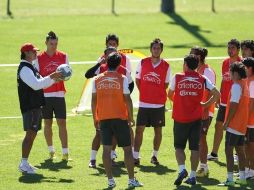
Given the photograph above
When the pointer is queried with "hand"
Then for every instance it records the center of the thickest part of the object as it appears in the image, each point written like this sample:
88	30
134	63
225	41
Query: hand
225	125
217	104
205	114
96	125
204	104
131	122
57	76
101	60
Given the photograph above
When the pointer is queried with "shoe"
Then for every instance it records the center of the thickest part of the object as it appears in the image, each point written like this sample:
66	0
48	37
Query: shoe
52	155
241	181
113	163
27	168
235	159
154	160
191	181
250	175
92	164
111	183
227	183
210	157
66	158
136	162
202	172
180	177
134	183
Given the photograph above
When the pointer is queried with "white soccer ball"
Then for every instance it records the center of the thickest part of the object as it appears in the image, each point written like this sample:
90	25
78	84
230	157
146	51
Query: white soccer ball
65	70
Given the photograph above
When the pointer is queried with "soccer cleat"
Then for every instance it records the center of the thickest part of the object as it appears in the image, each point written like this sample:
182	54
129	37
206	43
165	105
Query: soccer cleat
241	181
227	183
134	183
202	172
136	162
27	168
154	160
66	158
52	155
111	183
210	157
180	177
191	181
92	164
113	163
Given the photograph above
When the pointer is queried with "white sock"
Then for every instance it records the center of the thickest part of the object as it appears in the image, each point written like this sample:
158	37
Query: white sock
93	155
251	171
132	148
155	153
51	148
131	180
136	155
241	174
230	176
24	160
181	168
111	180
65	150
204	166
192	174
113	154
247	170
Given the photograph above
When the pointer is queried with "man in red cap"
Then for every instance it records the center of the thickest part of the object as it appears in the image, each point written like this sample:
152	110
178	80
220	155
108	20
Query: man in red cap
30	85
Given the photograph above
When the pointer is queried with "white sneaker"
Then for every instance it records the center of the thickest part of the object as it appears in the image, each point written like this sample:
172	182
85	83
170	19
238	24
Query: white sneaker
111	183
250	175
212	158
27	168
134	183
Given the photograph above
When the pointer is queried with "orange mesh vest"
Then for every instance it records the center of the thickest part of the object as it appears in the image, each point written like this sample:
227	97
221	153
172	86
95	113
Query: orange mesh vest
251	115
240	120
206	92
110	98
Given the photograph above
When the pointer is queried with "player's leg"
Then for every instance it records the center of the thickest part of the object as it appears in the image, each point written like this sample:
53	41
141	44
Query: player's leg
95	147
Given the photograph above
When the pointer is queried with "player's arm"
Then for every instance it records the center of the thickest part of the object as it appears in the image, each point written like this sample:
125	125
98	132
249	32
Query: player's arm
128	102
90	73
251	100
171	91
94	105
167	79
138	75
214	93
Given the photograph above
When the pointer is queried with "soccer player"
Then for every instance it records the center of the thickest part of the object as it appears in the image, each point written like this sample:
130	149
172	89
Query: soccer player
236	120
249	146
113	114
187	90
247	48
152	79
47	62
226	83
30	85
207	71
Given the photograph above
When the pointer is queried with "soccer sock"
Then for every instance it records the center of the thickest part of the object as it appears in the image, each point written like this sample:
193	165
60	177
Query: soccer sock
131	180
192	174
93	155
230	176
181	168
113	154
241	174
155	153
51	148
136	155
65	150
204	166
132	148
111	180
24	160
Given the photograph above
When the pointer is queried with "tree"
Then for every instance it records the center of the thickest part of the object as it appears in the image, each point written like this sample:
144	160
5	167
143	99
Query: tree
168	6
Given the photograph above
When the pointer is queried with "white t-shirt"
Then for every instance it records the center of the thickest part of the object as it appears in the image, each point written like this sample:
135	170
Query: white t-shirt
138	76
125	85
251	90
59	94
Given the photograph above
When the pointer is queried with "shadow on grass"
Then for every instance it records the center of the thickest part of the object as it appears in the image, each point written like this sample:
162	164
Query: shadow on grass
207	181
39	178
54	166
220	163
185	187
159	169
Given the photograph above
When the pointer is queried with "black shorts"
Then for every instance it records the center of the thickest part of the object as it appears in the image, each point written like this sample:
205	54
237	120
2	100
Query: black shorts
184	132
249	135
205	124
32	120
221	113
234	140
148	117
54	105
115	127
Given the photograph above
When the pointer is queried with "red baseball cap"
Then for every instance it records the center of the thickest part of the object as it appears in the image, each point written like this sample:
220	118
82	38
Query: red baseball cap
28	47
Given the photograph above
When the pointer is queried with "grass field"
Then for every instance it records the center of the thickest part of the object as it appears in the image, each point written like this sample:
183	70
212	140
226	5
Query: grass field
82	27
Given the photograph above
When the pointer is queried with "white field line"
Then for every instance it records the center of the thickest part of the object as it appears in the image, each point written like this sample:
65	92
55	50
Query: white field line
132	60
19	117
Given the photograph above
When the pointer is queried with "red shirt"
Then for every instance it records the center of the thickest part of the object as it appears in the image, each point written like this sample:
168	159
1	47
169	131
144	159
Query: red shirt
152	87
48	64
226	82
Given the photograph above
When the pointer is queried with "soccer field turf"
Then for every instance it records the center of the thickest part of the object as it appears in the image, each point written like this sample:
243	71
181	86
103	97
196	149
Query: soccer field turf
82	29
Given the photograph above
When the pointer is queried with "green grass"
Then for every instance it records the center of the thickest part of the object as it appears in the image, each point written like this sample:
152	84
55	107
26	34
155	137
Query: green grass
82	27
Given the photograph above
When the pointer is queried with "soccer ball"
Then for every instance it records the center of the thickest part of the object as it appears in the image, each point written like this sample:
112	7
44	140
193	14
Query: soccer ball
65	70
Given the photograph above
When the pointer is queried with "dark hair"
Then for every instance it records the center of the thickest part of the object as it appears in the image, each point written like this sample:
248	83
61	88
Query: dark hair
234	42
249	62
203	52
248	44
191	61
110	48
113	37
239	68
114	60
23	55
156	41
51	36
